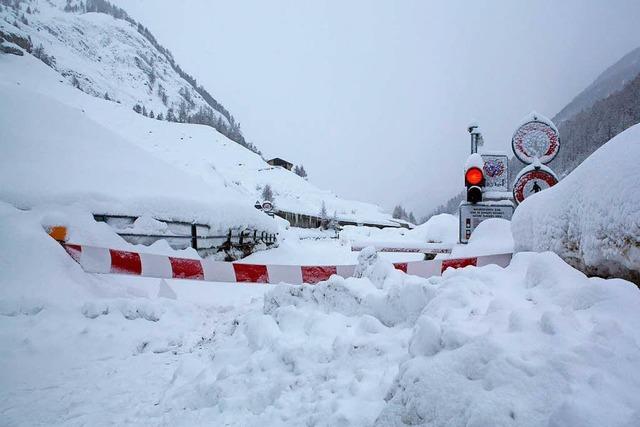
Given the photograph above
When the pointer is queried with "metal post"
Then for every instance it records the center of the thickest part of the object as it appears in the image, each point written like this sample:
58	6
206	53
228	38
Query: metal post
194	237
474	137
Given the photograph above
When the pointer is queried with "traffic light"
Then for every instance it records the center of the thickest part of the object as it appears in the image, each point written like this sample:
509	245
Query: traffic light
474	181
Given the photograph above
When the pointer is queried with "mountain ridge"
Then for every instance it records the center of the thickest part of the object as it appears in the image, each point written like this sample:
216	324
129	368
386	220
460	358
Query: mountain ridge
67	37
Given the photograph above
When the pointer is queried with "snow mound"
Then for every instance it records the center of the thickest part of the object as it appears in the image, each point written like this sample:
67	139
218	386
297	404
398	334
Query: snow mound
536	344
36	270
439	228
491	236
591	217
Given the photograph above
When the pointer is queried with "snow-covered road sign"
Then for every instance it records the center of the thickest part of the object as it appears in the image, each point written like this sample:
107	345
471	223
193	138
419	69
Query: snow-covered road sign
536	138
496	172
473	214
532	180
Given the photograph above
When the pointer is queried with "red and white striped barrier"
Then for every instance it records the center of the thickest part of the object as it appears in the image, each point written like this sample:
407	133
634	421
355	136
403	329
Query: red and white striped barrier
102	260
424	248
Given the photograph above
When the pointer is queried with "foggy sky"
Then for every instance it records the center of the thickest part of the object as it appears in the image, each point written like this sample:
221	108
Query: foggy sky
374	97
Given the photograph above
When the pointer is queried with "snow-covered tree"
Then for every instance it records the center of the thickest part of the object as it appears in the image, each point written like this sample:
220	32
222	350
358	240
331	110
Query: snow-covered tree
412	218
267	193
324	216
299	170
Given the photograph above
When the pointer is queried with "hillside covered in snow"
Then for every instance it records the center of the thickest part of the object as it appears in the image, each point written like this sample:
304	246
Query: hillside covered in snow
99	49
101	154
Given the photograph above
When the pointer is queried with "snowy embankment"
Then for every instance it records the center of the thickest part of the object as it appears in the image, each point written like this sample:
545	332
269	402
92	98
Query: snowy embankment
591	219
534	344
87	153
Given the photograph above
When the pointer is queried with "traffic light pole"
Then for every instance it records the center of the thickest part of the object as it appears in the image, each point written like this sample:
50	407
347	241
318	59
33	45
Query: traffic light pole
476	137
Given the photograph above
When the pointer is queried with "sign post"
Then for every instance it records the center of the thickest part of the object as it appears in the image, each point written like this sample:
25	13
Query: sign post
267	207
535	142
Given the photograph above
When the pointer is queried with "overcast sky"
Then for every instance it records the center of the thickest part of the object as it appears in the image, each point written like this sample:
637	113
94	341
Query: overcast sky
374	97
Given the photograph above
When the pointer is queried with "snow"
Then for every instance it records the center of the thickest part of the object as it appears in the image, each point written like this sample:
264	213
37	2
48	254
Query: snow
536	343
474	161
105	55
591	217
109	56
534	116
439	228
94	167
491	236
296	249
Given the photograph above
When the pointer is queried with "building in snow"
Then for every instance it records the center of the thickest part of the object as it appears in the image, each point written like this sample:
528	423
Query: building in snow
277	161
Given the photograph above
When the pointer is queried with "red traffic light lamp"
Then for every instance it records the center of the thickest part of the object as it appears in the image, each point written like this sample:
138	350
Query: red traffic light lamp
474	181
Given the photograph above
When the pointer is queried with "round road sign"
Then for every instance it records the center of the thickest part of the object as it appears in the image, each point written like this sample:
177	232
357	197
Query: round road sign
531	182
267	205
536	139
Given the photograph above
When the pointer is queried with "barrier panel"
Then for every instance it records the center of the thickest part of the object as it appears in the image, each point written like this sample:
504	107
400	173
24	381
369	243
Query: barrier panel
113	261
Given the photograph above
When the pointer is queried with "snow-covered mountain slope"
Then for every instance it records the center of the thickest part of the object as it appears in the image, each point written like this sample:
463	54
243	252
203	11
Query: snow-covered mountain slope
611	80
111	58
85	145
56	151
591	218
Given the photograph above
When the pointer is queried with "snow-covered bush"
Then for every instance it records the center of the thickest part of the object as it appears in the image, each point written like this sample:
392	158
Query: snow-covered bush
592	217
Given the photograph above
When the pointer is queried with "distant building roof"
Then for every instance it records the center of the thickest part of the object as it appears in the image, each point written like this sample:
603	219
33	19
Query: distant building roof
277	161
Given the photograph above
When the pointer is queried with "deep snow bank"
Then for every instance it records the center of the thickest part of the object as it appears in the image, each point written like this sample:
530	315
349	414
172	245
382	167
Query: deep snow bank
72	156
171	161
592	217
534	344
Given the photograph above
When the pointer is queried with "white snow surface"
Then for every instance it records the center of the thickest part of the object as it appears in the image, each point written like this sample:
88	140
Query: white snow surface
109	55
474	161
534	344
104	55
592	217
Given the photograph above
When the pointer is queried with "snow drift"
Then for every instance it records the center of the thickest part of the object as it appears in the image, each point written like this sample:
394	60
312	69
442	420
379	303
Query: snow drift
591	217
535	344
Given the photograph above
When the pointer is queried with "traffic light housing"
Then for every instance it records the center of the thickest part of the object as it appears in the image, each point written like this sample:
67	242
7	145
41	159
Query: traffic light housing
474	181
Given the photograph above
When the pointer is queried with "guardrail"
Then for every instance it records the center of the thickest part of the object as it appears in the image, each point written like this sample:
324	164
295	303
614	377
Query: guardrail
181	235
312	221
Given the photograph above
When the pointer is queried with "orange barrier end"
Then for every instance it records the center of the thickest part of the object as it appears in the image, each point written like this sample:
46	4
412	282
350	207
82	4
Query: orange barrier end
58	232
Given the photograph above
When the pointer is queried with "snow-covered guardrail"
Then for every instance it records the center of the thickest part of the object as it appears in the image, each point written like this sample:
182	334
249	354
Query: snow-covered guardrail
113	261
424	248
